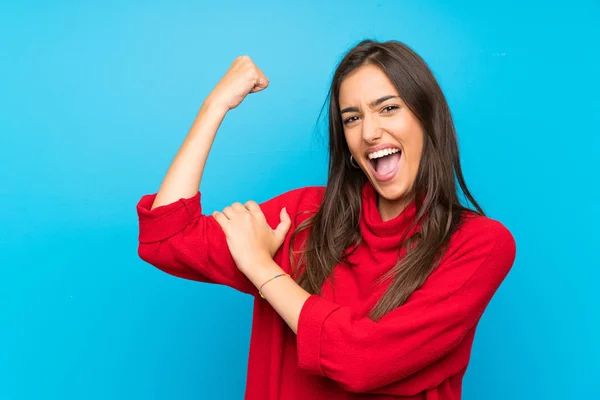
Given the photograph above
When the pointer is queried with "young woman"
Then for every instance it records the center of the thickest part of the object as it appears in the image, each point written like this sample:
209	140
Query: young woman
369	287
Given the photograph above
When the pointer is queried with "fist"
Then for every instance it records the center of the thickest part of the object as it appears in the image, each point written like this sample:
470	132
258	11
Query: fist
242	78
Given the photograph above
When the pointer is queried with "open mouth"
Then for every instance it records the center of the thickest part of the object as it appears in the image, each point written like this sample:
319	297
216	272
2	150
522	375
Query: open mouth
385	162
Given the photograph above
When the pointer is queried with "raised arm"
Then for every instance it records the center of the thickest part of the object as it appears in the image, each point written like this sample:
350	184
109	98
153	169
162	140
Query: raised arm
185	173
174	235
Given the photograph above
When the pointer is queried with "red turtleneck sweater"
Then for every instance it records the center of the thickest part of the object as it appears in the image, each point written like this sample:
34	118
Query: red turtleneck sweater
418	351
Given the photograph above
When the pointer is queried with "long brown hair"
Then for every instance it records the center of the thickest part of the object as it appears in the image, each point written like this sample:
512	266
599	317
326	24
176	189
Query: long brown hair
335	226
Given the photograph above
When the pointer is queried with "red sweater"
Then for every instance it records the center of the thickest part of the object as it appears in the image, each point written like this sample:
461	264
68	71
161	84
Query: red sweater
418	351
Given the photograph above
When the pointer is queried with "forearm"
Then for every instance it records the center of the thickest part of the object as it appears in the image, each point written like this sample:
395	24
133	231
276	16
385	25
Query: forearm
283	293
185	173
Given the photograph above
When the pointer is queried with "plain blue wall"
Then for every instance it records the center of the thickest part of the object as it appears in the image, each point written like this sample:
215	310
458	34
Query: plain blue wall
95	100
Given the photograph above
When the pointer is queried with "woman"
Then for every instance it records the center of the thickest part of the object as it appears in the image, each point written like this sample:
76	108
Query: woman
374	288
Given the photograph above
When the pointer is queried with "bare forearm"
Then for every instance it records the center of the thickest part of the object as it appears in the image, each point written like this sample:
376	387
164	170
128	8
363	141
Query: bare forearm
185	173
283	293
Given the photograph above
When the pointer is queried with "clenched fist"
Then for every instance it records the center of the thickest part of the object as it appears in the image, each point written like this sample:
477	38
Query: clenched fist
242	78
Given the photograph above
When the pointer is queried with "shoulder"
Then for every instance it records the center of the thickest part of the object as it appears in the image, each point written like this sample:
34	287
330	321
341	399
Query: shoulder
308	196
483	238
485	233
489	230
480	246
300	200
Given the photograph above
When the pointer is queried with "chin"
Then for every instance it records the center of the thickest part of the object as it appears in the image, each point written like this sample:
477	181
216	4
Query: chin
393	195
391	191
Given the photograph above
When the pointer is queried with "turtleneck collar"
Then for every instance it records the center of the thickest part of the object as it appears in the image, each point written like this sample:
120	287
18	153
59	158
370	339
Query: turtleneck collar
385	233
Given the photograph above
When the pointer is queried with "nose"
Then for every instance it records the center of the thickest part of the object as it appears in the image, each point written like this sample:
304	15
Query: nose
371	131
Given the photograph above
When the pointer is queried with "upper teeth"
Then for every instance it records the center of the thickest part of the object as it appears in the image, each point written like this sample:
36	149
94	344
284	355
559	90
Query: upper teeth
382	153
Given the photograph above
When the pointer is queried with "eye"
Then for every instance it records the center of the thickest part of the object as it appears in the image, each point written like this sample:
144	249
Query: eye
390	108
350	120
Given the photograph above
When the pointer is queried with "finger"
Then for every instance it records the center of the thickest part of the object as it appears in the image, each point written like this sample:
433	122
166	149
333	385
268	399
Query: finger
254	209
283	227
220	218
228	212
262	82
259	86
263	77
238	207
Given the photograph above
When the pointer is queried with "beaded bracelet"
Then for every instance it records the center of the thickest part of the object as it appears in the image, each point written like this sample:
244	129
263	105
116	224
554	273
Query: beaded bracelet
261	286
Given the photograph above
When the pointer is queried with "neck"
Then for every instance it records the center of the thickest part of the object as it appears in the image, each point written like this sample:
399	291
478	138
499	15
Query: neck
390	209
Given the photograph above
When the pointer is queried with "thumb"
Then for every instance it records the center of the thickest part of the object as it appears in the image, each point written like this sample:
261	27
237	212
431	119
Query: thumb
260	85
283	227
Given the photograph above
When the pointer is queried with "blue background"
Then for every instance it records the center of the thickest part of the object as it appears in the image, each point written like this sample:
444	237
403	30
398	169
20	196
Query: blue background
96	98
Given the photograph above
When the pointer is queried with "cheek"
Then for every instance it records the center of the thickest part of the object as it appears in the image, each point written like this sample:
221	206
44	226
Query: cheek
403	128
406	132
416	161
412	142
352	140
416	147
414	158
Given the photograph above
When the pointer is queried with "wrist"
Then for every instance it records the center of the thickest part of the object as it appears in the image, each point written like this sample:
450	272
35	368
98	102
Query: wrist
212	106
261	271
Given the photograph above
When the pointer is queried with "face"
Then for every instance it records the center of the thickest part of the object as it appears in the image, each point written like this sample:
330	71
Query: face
383	135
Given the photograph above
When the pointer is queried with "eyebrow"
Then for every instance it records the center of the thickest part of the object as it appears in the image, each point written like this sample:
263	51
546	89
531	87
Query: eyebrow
372	104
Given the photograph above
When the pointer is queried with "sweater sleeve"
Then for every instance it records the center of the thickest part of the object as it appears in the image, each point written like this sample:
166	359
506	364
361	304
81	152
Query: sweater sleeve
180	240
364	356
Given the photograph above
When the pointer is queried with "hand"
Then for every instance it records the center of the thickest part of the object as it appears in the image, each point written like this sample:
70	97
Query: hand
242	78
250	239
